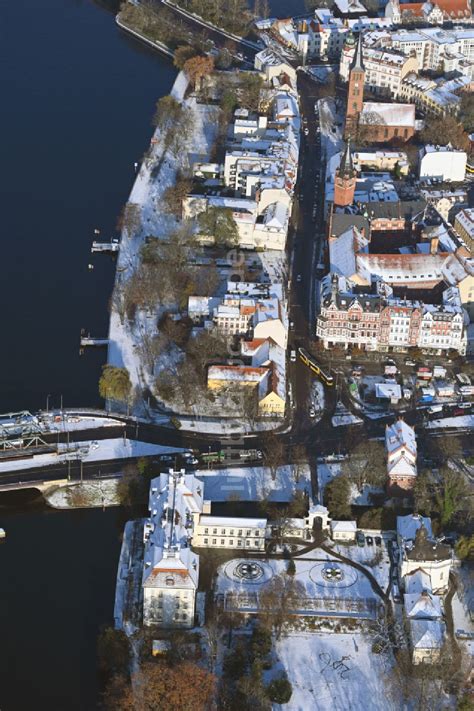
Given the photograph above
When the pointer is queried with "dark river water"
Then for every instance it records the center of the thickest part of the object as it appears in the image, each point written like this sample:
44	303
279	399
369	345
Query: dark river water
77	97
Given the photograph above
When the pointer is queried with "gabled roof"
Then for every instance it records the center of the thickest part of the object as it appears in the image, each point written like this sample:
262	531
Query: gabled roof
423	606
400	435
427	634
417	581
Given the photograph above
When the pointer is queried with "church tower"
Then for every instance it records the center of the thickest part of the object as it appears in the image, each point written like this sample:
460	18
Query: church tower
355	93
345	179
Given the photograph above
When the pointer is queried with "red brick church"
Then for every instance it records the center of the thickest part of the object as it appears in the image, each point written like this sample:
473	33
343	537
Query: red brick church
381	122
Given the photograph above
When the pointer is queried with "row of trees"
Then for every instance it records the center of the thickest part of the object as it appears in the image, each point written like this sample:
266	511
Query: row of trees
231	15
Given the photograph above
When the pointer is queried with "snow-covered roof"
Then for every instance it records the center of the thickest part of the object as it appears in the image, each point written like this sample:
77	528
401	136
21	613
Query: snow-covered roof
410	269
344	526
173	498
407	526
422	606
342	251
417	581
399	435
441	149
427	634
388	390
233	521
402	115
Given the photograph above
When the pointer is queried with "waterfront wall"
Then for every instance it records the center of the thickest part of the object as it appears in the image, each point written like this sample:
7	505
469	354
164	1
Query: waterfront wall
143	38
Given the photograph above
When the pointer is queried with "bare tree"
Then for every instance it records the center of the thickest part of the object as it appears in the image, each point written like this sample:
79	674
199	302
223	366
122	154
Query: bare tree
274	452
279	601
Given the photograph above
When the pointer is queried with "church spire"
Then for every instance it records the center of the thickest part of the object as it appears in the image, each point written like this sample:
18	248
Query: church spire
346	166
358	59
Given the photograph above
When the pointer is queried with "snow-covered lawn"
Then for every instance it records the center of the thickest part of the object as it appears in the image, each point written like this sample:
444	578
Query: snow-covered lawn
92	451
254	483
310	573
328	470
335	672
93	493
366	556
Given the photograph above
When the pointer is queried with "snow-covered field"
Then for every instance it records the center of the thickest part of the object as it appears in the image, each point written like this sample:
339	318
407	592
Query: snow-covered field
335	672
254	483
92	451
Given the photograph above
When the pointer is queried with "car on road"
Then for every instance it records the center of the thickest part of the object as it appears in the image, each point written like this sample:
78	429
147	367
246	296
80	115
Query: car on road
292	325
312	412
370	540
411	363
360	538
299	278
293	355
306	132
378	541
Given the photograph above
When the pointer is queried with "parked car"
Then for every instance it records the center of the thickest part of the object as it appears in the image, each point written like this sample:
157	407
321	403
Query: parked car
411	363
292	325
378	541
299	278
306	132
312	412
396	592
370	540
360	538
292	355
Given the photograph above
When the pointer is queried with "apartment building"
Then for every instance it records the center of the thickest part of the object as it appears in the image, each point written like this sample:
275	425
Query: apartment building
464	226
437	97
373	319
384	69
432	46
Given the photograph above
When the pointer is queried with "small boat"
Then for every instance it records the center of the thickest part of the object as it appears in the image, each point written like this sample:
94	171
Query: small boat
2	533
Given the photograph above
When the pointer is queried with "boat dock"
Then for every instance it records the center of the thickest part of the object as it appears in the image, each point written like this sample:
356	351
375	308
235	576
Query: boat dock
89	341
113	246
